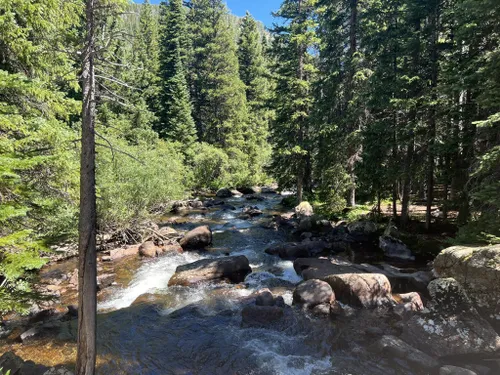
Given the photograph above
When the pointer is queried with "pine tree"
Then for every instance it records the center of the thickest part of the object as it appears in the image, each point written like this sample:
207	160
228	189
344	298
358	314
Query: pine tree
255	76
220	109
291	135
176	122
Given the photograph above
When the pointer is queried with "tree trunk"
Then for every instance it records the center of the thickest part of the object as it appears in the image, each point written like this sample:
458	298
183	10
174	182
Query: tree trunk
432	117
87	270
405	202
299	188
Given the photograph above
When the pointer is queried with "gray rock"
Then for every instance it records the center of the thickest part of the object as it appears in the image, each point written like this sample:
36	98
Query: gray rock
311	293
395	347
450	325
395	248
477	269
362	227
232	268
314	268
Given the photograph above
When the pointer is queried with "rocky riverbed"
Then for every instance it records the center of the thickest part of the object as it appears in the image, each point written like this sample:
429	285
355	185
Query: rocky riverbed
237	284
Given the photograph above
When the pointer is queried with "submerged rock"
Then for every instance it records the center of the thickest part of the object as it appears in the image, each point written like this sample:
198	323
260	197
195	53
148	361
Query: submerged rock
450	325
477	269
197	238
361	289
232	268
395	248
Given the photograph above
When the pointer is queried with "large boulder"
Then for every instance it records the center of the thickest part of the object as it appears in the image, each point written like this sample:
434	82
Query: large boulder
450	325
314	268
394	347
477	269
224	193
311	293
362	227
304	209
294	250
197	238
395	248
232	268
361	289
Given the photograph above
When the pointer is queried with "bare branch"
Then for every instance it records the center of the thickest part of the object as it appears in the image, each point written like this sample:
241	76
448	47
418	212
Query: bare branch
121	152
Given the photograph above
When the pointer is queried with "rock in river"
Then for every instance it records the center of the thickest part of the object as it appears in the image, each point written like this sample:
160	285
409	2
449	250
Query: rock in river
450	325
477	269
361	289
197	238
233	268
395	248
311	293
224	193
395	347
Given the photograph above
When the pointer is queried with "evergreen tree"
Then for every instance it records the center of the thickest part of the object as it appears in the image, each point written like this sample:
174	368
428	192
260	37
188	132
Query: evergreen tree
176	121
255	76
290	132
220	108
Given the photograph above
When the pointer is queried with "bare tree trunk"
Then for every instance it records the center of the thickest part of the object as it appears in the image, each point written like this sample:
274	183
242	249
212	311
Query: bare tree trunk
87	270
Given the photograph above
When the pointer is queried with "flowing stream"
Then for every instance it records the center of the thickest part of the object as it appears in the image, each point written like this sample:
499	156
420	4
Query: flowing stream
148	328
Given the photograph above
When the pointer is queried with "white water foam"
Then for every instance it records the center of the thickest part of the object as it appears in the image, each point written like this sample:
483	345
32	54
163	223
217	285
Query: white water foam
289	273
269	353
150	277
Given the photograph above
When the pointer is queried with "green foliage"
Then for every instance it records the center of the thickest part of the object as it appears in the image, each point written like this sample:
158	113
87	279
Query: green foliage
210	167
176	122
294	73
134	179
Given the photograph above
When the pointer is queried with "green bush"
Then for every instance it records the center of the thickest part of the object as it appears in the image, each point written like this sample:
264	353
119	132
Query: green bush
210	167
133	179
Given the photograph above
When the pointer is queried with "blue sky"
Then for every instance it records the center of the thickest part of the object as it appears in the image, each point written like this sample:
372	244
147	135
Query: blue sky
260	9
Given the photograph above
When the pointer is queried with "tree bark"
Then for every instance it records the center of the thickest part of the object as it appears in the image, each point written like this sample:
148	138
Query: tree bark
87	270
405	202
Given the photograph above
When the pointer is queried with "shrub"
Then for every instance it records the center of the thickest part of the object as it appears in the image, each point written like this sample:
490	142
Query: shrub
133	179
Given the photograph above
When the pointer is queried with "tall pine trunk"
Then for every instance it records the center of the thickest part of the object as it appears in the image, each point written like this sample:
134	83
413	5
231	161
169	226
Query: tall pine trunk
432	116
87	270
